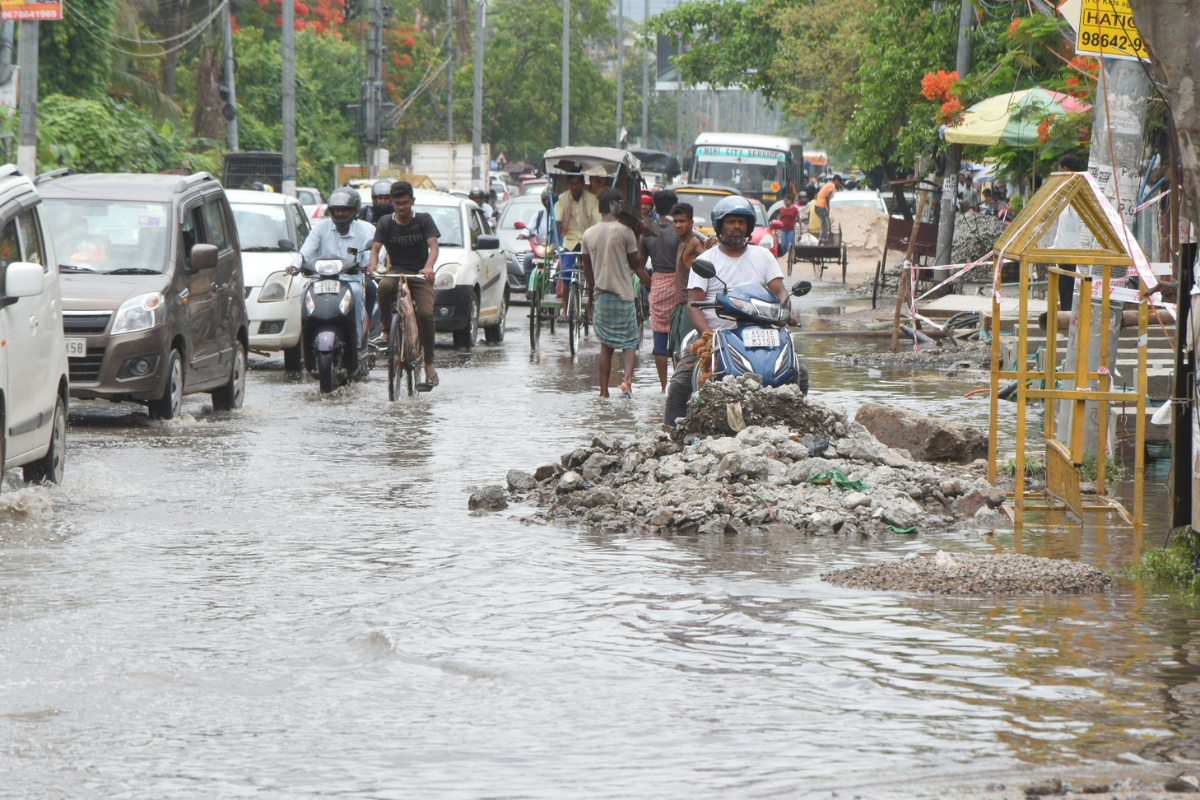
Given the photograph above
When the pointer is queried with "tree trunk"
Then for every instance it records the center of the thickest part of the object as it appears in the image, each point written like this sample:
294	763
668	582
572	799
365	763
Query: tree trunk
464	30
207	121
170	61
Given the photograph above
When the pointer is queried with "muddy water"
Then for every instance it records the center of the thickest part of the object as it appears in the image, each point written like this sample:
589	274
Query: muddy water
293	600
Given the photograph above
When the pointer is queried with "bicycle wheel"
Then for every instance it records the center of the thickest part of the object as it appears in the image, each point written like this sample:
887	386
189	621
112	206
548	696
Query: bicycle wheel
572	317
535	295
395	362
414	365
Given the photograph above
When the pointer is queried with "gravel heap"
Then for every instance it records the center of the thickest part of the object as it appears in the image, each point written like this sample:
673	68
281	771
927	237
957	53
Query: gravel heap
741	402
974	237
970	355
969	573
704	481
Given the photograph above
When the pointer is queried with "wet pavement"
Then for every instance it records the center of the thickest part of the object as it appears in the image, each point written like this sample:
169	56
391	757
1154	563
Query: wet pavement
293	600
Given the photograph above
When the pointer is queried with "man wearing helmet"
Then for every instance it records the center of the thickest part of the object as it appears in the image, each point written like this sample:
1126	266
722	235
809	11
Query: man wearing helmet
736	263
480	199
381	203
342	235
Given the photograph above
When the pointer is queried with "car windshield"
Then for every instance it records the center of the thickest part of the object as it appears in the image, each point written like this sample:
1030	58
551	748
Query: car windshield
109	235
533	188
760	215
308	197
260	226
702	203
516	211
869	199
448	220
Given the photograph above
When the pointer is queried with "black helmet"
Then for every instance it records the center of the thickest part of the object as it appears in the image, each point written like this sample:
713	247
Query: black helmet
732	206
348	198
380	189
476	194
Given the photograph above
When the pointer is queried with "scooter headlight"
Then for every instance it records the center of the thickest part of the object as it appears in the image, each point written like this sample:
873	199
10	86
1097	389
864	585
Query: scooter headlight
769	311
310	305
767	241
276	288
347	299
328	267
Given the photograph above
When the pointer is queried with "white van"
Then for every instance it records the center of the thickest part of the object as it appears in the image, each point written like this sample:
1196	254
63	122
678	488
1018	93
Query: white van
33	355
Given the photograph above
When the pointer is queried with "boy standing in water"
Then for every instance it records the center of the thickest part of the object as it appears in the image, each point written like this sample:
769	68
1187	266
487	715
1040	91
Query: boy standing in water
691	245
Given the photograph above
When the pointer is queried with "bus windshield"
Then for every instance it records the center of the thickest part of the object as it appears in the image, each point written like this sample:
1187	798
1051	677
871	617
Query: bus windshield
754	171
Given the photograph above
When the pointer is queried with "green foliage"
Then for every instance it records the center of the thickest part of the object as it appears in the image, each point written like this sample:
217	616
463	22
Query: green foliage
1173	565
732	42
1113	470
74	54
1034	468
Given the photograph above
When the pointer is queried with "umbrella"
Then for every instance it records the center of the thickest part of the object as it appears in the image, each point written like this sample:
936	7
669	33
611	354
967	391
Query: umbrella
1011	118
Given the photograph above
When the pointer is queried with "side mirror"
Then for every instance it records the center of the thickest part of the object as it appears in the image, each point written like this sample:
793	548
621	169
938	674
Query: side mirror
706	270
519	225
204	256
487	243
23	279
776	225
801	288
285	244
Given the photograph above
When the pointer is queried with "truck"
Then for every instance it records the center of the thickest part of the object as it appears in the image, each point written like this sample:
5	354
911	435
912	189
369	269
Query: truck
448	165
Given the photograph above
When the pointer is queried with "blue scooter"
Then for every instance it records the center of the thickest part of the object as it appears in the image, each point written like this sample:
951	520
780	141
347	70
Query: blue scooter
760	343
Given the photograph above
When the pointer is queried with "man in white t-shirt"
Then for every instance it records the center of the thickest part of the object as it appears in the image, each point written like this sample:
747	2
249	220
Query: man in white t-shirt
736	264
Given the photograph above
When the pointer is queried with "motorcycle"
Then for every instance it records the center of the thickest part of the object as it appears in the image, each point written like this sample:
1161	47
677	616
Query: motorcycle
759	344
335	351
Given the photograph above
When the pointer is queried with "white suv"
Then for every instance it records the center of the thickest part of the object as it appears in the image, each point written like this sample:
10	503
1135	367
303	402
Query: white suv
33	355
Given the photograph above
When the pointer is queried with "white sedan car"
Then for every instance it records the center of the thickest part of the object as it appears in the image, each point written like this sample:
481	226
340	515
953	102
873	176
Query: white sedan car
470	290
271	228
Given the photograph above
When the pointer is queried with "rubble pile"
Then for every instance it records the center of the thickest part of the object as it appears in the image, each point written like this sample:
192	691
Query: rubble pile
809	469
968	355
975	574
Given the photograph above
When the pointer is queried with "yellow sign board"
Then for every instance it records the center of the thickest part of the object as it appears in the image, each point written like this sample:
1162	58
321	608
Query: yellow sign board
1106	29
38	10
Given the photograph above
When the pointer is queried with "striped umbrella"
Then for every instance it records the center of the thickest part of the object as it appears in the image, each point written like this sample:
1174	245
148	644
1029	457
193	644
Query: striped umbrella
1011	118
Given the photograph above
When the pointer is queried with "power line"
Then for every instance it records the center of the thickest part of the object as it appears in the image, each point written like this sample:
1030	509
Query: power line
89	24
199	27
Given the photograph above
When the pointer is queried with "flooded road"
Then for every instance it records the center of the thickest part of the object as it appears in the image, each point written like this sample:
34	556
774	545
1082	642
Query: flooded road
293	600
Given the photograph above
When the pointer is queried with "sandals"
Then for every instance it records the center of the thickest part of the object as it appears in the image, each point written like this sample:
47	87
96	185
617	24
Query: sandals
627	390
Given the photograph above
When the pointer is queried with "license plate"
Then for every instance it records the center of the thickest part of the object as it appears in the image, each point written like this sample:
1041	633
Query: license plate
327	287
76	348
760	337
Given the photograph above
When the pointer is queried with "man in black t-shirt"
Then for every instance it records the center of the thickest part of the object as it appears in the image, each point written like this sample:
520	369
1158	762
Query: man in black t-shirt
412	245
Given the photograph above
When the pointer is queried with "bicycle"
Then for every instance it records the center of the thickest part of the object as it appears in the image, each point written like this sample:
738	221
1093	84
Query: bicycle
404	356
541	283
578	324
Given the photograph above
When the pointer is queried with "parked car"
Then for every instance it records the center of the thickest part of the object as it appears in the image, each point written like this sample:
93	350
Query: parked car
33	364
152	288
469	290
858	197
525	211
271	228
311	200
703	197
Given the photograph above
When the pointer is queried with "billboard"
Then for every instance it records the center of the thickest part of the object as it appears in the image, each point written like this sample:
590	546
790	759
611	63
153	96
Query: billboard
36	11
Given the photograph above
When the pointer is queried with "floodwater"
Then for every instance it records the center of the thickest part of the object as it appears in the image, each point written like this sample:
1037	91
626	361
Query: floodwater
293	600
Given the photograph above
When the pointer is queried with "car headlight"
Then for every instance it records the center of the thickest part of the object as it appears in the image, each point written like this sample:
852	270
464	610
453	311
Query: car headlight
446	278
328	267
275	288
344	305
140	313
767	241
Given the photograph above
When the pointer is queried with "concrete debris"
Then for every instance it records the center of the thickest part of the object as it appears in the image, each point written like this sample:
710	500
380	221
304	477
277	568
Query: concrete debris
706	480
974	574
927	438
968	356
709	410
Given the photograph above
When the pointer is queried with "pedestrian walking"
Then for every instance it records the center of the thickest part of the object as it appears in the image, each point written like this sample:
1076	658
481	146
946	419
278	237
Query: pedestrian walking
610	260
663	251
787	216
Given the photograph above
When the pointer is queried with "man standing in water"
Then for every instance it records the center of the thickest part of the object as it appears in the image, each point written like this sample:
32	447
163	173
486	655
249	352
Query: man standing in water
610	259
662	251
691	245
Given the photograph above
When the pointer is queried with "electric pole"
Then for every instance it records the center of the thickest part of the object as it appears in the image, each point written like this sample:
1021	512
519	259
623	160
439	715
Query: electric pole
449	70
477	112
28	101
289	97
566	73
945	242
620	69
646	77
371	91
231	123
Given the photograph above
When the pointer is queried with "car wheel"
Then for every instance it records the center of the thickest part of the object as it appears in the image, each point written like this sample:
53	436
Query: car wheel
230	396
293	359
494	334
466	337
50	466
168	406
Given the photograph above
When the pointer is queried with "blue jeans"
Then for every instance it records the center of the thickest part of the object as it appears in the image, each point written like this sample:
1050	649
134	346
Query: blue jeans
360	306
823	215
786	238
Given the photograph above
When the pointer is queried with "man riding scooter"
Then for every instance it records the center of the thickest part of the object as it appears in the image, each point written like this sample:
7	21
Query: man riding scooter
341	235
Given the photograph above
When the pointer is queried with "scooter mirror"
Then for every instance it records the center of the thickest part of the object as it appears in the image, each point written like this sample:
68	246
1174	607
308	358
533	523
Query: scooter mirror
801	288
519	225
704	269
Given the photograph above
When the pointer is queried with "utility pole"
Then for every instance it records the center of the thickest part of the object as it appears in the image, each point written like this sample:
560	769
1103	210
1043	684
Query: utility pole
945	243
566	73
477	112
28	101
371	90
646	77
620	69
231	123
450	70
289	97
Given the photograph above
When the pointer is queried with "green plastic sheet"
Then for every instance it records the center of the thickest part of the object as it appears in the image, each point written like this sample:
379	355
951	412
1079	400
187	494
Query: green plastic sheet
838	479
903	531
